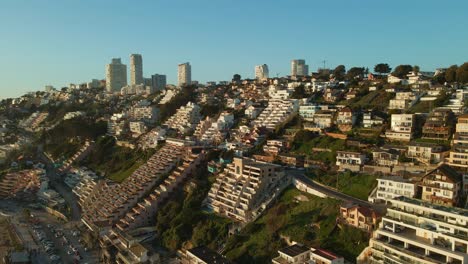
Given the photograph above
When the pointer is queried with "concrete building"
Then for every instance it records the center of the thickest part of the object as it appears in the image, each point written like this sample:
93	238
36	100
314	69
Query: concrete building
300	254
184	74
277	113
299	68
442	186
370	120
158	82
261	72
116	76
438	125
107	203
185	119
402	127
345	119
429	153
459	153
350	160
245	188
415	231
391	187
203	255
136	69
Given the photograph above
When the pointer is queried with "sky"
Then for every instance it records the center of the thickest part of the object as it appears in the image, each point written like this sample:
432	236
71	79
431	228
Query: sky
59	42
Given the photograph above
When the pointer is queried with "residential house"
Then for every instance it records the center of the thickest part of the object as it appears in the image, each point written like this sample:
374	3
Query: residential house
359	216
442	185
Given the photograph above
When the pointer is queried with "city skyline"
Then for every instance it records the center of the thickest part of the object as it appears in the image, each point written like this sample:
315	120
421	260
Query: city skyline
67	49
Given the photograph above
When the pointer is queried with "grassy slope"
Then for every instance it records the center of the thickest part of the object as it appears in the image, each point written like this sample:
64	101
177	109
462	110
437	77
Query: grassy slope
309	222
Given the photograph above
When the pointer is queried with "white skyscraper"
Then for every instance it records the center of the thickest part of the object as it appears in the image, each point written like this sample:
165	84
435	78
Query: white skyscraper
261	72
299	68
116	75
184	74
136	69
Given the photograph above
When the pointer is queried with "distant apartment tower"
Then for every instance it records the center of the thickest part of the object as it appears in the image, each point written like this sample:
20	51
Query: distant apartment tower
299	68
158	82
136	69
116	75
184	74
261	72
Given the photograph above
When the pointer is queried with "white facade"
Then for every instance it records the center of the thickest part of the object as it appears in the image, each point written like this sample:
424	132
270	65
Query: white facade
116	76
299	68
402	126
415	231
261	72
184	74
136	69
391	187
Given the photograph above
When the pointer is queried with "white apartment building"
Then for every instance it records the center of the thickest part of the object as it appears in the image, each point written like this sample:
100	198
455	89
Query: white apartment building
136	69
393	186
428	153
184	74
402	127
414	231
244	187
137	127
299	68
213	130
324	119
459	153
404	100
116	76
307	112
147	113
261	72
350	160
300	254
370	120
277	113
185	119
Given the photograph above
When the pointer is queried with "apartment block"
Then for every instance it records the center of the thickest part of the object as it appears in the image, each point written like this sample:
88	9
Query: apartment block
300	254
371	120
212	130
261	72
117	125
143	213
443	185
439	124
146	113
415	231
185	119
385	157
402	127
324	119
78	156
20	184
184	74
277	113
350	160
393	186
116	75
244	187
120	247
110	202
203	255
459	153
428	153
307	112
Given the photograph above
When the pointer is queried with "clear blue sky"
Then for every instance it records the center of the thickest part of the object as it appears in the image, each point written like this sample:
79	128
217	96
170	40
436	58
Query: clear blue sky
59	42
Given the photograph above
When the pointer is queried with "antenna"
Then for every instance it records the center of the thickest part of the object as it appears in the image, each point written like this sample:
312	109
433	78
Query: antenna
324	63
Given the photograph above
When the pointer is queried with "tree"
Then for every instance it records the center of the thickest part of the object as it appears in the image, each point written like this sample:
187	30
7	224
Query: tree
462	73
339	72
402	70
355	72
451	74
416	69
382	68
299	92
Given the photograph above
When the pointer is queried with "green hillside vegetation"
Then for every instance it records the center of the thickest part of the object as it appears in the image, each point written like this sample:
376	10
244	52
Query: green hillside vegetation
355	184
182	221
115	162
68	136
376	100
310	221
